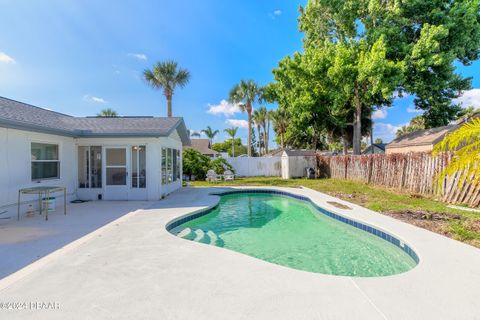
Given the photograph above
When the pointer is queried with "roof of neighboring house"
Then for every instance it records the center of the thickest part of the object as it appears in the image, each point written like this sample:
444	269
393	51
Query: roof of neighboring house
422	137
203	146
376	146
18	115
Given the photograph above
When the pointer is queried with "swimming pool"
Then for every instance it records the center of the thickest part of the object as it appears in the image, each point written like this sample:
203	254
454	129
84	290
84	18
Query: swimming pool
292	232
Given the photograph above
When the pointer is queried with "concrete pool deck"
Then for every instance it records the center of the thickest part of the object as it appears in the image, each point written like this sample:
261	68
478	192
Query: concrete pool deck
134	269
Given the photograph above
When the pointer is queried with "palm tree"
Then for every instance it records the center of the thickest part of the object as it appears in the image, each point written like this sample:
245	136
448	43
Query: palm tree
246	93
195	134
210	133
269	118
280	124
166	76
263	120
257	119
464	143
107	113
232	132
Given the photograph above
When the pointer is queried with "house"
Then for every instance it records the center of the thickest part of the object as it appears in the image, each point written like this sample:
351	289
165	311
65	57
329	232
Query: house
378	148
204	147
121	158
419	141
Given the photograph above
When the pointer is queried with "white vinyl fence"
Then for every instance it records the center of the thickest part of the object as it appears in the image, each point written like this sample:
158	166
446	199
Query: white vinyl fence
257	166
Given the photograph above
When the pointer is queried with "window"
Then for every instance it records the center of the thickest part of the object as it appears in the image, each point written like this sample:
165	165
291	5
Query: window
169	166
138	167
164	166
90	167
179	161
174	159
45	161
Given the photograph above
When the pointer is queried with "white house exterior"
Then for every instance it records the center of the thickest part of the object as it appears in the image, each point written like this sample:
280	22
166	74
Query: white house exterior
123	158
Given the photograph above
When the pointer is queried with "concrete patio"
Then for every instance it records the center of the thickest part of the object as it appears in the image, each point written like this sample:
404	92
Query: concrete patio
134	269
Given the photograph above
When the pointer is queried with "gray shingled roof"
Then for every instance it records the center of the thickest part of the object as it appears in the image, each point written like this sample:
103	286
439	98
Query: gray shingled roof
23	116
203	146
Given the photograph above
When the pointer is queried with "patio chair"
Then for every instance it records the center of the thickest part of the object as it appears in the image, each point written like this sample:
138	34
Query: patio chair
228	175
211	176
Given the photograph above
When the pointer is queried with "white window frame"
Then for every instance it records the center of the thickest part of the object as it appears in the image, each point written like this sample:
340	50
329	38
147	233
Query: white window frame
59	161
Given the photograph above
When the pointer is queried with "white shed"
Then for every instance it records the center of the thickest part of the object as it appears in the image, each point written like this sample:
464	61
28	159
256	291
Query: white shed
296	162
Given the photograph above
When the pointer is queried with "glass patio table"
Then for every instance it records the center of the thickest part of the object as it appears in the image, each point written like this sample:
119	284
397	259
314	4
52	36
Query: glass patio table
46	192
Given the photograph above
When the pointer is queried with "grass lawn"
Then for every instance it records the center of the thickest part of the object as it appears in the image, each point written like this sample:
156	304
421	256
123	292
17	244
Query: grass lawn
420	211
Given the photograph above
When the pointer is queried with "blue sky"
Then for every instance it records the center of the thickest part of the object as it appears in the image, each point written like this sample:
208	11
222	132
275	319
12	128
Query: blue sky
78	57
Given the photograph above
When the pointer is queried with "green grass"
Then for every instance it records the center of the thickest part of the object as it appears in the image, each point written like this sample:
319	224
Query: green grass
377	199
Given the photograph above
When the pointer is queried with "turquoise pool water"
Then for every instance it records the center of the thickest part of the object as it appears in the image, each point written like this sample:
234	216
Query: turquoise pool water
293	233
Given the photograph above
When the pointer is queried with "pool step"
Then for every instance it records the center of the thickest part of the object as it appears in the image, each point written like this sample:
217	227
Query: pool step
214	239
201	236
187	233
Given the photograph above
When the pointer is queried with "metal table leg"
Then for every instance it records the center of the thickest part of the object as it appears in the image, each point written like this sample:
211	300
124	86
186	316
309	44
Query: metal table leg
18	206
40	203
65	201
47	198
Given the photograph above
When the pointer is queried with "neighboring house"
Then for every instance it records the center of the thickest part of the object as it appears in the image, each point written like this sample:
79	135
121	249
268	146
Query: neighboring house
419	141
204	147
378	148
423	140
122	158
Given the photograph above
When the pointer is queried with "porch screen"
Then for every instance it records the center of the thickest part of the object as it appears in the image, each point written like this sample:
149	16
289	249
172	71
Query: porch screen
90	167
139	167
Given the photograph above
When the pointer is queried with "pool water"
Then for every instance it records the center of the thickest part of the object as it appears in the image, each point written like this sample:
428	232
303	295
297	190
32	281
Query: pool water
293	233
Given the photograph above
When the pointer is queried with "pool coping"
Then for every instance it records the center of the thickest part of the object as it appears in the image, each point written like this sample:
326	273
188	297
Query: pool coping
164	273
400	243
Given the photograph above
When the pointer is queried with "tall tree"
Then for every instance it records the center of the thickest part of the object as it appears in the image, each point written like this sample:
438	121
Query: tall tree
257	120
210	133
246	93
232	132
280	120
167	76
427	36
107	113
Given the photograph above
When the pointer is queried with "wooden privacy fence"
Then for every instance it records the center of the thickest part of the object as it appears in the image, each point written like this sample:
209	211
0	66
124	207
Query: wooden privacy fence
412	172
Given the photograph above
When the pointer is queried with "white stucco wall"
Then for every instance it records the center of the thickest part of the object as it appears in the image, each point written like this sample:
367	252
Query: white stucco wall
15	167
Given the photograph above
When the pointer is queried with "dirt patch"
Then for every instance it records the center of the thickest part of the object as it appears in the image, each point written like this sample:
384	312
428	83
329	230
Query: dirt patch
339	205
433	221
354	197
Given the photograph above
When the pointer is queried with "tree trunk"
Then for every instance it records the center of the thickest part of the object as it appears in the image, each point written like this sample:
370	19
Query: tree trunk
345	145
268	132
357	123
233	147
169	105
282	140
265	142
259	140
249	143
371	133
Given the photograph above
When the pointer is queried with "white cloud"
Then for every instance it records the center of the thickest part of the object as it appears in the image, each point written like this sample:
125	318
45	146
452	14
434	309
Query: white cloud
94	99
469	98
224	107
237	123
275	13
385	131
379	114
413	110
138	56
5	58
